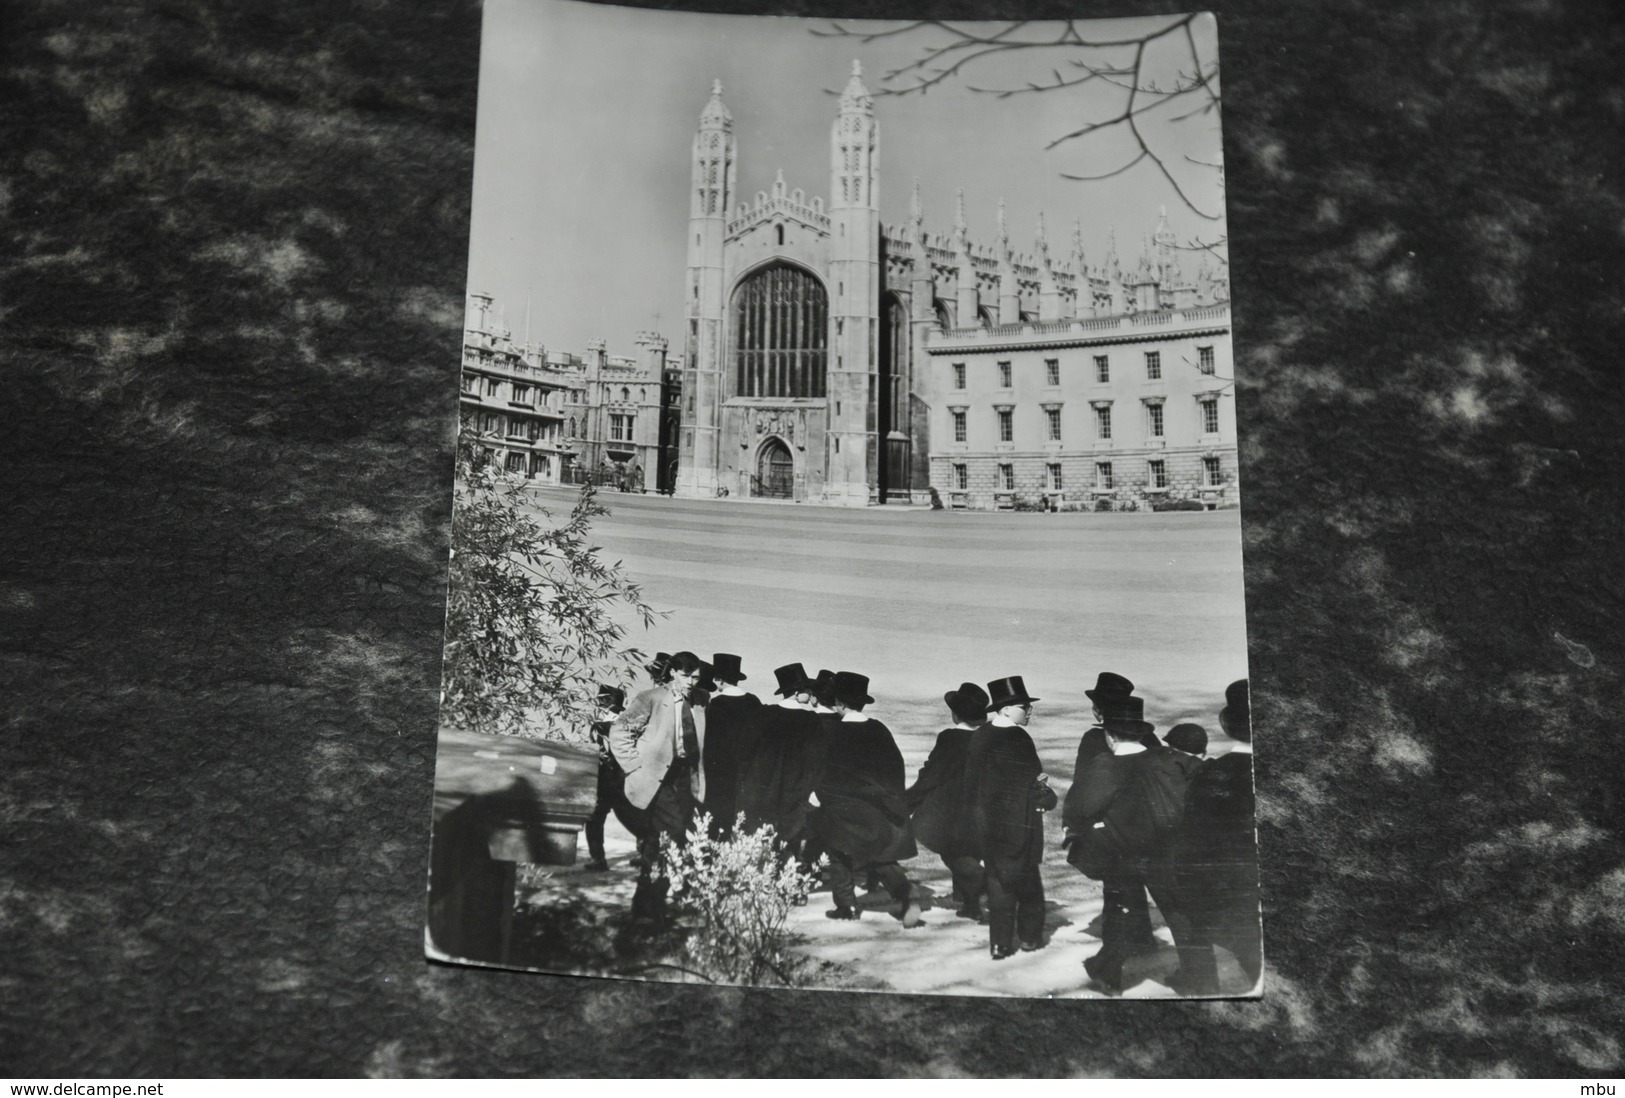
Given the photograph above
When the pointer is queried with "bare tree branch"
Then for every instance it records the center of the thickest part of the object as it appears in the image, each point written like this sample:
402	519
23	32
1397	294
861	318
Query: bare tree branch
962	48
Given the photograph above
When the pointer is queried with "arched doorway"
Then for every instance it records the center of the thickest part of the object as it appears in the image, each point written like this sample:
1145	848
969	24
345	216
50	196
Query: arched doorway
775	471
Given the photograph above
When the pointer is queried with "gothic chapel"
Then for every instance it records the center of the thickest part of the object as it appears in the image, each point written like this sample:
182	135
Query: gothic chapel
806	364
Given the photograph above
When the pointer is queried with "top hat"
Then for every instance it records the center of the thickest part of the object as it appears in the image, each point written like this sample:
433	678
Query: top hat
1236	699
819	687
611	697
1238	711
706	681
1189	738
850	688
725	666
657	666
792	679
969	700
1010	691
1125	716
1108	685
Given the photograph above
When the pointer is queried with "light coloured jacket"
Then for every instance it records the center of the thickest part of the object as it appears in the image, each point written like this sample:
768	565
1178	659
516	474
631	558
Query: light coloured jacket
643	741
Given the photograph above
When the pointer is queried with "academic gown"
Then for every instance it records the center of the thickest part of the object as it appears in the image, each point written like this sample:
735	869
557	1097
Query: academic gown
936	800
1003	794
863	810
1214	853
732	726
781	770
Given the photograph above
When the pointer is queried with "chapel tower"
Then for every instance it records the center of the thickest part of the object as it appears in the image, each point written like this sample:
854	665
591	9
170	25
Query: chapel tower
853	453
713	187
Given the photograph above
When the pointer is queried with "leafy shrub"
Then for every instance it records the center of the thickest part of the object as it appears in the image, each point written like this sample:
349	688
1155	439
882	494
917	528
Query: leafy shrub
1178	505
530	630
1027	502
1103	504
743	888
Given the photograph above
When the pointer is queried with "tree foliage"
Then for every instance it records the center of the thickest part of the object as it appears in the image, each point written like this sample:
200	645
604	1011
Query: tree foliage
533	617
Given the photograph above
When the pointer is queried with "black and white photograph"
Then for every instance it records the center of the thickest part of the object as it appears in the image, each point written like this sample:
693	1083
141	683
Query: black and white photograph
846	577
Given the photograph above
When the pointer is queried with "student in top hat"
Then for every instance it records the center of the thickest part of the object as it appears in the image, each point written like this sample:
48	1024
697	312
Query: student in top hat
611	781
659	741
1189	742
936	800
1110	689
1119	816
1008	793
1215	856
659	669
860	810
732	717
783	765
822	693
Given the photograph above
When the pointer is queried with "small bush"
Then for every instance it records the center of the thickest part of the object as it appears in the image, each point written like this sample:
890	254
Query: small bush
743	888
1025	502
1103	504
1178	505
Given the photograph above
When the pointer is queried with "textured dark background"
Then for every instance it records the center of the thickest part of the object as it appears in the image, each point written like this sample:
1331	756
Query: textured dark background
231	284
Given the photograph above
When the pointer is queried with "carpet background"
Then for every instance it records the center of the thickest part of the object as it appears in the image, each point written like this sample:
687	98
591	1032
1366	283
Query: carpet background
231	287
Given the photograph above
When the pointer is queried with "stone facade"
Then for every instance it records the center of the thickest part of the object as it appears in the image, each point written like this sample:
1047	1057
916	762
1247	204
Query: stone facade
1135	408
812	331
559	418
509	399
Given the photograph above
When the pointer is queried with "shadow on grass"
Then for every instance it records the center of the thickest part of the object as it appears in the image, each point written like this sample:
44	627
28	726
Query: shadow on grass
582	925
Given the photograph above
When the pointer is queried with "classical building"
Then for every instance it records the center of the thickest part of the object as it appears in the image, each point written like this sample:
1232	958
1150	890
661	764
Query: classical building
1075	412
819	346
614	423
510	401
559	418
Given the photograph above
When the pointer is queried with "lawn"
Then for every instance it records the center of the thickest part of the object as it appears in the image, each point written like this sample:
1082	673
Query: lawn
920	601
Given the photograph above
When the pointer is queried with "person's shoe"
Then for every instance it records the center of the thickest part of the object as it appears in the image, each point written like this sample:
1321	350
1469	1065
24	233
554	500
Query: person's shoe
1031	946
597	865
1103	975
842	913
970	911
912	914
1001	953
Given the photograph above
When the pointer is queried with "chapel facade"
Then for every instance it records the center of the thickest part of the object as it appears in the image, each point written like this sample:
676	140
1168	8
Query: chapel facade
817	344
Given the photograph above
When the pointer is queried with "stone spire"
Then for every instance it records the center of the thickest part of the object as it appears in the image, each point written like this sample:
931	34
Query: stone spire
1083	296
915	231
1040	244
856	97
960	237
1004	234
716	116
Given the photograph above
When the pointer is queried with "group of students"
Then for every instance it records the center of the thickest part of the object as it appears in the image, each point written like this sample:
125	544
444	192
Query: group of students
1145	817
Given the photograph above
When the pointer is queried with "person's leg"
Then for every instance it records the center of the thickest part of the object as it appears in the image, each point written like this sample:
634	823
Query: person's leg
1030	908
1137	934
968	884
842	886
607	788
895	881
1116	919
1001	916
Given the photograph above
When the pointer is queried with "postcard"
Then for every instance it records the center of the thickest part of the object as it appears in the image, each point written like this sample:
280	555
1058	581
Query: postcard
846	578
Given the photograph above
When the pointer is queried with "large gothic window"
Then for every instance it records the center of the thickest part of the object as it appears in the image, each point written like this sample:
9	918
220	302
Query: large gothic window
780	333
